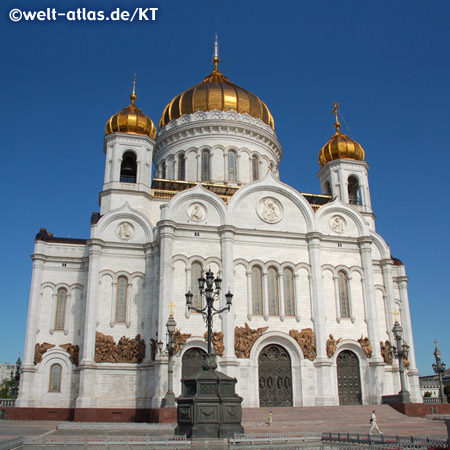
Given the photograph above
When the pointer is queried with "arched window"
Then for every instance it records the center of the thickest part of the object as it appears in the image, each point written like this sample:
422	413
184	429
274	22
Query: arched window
257	294
121	300
181	168
288	278
353	191
205	166
231	166
255	168
54	384
61	298
128	168
196	273
163	170
274	297
328	188
344	300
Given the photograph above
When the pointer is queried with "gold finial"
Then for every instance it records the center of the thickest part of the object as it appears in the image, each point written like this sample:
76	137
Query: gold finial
335	112
171	306
435	342
216	54
133	95
396	314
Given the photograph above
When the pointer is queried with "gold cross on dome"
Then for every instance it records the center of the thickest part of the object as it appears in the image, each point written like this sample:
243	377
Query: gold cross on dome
435	342
396	314
171	306
335	111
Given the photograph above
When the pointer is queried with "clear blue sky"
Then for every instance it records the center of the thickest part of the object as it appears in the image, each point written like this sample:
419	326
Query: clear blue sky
387	63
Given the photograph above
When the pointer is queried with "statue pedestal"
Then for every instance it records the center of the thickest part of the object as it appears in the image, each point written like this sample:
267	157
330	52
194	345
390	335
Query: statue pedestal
208	406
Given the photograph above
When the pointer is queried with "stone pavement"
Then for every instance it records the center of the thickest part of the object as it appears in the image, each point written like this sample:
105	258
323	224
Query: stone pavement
353	419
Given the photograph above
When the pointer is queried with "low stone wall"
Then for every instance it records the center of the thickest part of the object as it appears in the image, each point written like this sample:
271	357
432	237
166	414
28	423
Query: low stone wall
151	415
421	409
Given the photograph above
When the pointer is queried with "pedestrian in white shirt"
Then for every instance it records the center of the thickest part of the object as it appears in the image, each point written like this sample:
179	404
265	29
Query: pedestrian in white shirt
373	423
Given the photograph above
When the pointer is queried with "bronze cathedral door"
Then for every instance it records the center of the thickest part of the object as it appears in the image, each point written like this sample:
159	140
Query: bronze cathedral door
275	377
349	380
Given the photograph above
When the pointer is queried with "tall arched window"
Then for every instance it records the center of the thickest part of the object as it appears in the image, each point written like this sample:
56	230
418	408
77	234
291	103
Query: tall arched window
288	278
274	297
257	292
54	384
255	168
328	188
121	300
128	168
205	166
231	166
196	273
344	300
163	170
61	298
353	191
181	168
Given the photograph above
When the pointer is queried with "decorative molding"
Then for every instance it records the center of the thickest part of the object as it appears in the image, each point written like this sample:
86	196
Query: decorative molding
217	341
73	351
197	212
338	224
269	210
127	350
125	231
244	339
332	345
366	346
39	351
307	341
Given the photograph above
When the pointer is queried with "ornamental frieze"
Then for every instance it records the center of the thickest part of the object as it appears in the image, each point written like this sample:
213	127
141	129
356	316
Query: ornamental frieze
127	350
39	351
244	338
217	341
73	351
332	345
307	341
366	346
386	352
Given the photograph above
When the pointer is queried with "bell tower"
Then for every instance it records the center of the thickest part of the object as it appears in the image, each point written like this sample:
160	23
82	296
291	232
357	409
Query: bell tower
129	145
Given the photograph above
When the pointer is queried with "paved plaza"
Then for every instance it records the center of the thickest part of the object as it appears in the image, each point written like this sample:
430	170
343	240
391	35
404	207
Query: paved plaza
354	419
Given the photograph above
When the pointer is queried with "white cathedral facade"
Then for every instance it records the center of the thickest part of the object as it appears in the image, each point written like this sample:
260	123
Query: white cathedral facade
315	287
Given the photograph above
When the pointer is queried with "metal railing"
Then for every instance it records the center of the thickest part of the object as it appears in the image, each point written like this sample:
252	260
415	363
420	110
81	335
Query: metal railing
273	438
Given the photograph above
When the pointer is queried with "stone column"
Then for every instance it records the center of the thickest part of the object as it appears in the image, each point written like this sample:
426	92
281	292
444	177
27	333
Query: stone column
28	369
386	267
322	362
281	296
265	292
249	295
88	387
228	359
376	363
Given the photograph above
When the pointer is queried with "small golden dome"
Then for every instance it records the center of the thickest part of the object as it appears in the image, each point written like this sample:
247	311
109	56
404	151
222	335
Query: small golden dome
340	146
131	120
216	91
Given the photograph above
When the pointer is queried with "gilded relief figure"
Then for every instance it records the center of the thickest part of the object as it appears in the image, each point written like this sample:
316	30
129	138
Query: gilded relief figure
332	345
73	351
244	338
386	352
127	350
217	341
307	341
366	346
179	338
39	351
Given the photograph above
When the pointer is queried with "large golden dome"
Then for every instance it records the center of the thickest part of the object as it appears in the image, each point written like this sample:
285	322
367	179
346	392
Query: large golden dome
340	146
216	91
131	120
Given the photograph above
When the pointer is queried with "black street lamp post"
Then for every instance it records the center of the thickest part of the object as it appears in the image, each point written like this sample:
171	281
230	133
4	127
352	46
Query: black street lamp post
401	352
169	351
211	293
439	369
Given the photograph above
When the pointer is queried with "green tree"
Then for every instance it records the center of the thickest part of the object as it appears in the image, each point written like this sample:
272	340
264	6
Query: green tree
8	389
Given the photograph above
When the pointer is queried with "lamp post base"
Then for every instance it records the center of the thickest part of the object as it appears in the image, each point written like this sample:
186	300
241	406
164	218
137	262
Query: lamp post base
404	397
169	401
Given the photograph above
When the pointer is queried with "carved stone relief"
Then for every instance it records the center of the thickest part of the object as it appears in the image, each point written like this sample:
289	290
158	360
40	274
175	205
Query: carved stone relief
386	352
332	345
127	350
338	224
307	341
366	346
39	351
244	338
179	338
270	210
217	341
73	351
197	212
125	231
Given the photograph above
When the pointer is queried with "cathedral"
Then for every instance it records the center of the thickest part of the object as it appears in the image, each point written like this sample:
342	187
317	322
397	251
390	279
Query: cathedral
315	286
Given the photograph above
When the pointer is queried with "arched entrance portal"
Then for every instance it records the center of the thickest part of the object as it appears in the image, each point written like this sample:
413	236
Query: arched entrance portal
349	380
275	377
192	361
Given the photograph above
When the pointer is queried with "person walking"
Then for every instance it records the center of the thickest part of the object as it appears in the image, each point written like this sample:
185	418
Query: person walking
270	418
373	423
